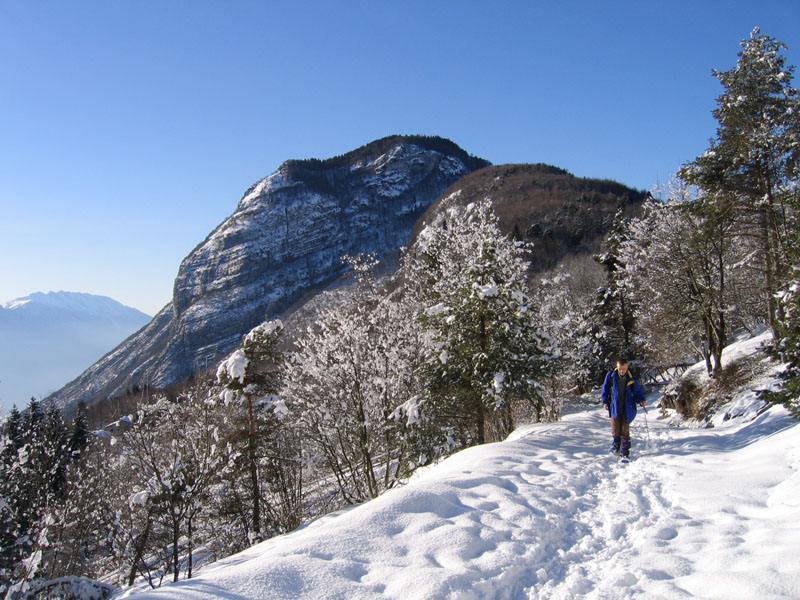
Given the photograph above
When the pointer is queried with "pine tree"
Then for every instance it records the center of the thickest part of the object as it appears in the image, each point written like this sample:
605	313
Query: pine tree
13	425
79	436
34	465
9	532
755	157
611	323
486	354
788	343
252	375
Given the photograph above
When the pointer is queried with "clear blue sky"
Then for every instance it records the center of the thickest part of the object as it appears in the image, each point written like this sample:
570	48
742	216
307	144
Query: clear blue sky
130	129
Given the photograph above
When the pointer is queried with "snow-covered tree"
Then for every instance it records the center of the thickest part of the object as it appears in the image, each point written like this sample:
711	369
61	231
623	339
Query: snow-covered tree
174	453
9	526
35	457
610	329
251	378
692	276
79	541
788	345
79	437
487	352
350	373
754	160
563	299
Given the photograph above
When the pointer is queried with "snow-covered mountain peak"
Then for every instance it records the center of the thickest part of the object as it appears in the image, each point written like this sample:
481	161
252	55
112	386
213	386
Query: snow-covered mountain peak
15	304
271	183
285	239
75	303
46	339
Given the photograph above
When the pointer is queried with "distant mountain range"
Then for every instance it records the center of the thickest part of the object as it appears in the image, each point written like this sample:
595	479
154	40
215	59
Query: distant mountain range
285	241
48	339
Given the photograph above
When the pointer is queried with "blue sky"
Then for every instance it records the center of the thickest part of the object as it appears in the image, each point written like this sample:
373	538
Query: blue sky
130	129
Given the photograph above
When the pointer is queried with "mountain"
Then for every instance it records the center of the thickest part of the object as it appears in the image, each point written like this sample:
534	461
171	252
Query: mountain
48	339
559	213
701	512
285	239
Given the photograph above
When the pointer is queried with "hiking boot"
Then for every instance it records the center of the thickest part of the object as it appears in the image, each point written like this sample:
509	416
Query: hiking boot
625	448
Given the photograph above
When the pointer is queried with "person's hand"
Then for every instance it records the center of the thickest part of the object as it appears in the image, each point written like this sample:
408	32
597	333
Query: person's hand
643	402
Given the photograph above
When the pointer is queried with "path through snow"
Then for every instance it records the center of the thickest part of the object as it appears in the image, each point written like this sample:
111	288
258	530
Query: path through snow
704	513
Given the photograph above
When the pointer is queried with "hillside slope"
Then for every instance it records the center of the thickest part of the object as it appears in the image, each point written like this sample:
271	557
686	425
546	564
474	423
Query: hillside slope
285	239
549	207
709	513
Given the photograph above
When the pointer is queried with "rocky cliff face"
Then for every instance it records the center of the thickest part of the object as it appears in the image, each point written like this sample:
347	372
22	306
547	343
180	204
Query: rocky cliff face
285	239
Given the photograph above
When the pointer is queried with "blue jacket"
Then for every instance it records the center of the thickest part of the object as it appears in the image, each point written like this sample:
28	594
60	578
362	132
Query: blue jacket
635	395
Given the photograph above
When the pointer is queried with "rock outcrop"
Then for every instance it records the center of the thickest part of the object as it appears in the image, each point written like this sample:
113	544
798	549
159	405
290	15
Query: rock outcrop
286	238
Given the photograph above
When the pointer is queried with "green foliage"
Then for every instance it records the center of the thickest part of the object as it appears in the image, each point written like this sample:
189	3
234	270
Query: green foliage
486	353
754	161
611	324
787	347
34	456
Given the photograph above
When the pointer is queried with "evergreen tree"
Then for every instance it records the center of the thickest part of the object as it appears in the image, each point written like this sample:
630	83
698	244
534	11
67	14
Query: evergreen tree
13	425
611	323
54	452
788	344
251	377
755	157
9	531
486	354
34	466
79	436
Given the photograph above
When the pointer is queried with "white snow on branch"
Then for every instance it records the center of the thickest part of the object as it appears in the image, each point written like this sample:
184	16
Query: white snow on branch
233	367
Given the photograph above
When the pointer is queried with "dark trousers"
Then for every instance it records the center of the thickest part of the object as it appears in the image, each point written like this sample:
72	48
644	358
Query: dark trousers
621	430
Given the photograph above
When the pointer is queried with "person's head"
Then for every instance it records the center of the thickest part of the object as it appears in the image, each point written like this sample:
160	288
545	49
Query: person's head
622	365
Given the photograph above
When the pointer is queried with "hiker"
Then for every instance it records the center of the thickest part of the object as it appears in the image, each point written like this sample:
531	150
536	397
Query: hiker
621	393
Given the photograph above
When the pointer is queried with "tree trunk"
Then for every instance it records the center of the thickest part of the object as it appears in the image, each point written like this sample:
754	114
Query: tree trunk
139	547
191	548
251	447
176	534
480	420
769	273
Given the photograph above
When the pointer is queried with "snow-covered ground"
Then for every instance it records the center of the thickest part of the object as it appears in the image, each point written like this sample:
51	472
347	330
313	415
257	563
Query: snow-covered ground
699	513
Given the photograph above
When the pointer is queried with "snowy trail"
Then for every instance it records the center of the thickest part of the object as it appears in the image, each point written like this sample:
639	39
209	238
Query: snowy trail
549	514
